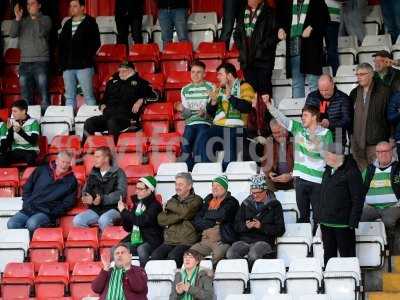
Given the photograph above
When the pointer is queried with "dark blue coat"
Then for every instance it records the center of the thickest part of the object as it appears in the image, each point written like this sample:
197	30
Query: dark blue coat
43	193
394	114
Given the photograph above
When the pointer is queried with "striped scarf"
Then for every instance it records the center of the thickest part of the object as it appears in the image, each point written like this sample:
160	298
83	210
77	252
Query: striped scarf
299	13
250	19
115	287
191	281
136	235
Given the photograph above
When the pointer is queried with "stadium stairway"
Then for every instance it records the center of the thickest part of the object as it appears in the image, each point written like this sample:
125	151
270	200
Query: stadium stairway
390	283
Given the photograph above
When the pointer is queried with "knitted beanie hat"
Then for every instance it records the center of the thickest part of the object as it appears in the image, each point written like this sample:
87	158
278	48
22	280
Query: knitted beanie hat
222	180
258	182
150	182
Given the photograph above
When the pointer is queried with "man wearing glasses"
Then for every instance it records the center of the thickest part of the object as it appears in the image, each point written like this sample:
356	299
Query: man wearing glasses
382	188
370	125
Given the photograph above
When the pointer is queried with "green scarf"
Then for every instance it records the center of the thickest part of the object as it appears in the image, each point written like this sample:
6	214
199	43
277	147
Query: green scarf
115	286
222	100
251	20
191	281
136	235
299	13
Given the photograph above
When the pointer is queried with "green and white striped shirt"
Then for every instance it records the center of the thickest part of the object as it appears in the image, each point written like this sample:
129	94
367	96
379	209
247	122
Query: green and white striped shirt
75	25
31	126
380	193
335	10
195	98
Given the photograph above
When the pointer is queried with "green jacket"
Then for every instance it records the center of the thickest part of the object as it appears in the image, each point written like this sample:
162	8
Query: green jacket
176	220
203	289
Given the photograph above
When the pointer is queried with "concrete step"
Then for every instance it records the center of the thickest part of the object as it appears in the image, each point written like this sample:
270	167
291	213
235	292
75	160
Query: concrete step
383	296
391	282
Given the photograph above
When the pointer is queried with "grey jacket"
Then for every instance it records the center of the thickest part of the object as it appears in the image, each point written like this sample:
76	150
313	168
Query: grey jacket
33	38
203	289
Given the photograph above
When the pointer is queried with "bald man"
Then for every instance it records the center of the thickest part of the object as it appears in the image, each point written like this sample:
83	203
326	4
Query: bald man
335	108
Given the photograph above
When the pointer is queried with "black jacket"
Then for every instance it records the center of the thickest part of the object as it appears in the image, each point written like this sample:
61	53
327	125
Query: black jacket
259	52
342	194
339	111
129	7
391	79
152	233
394	177
393	114
224	215
110	188
270	216
79	51
120	95
171	4
45	193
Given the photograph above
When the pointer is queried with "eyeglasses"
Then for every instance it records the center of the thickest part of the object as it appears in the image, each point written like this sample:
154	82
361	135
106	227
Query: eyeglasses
361	74
257	193
140	189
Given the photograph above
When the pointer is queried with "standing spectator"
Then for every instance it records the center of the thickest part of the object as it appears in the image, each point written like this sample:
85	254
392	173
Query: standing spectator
104	187
342	199
335	108
278	158
258	222
255	37
394	118
391	17
194	99
370	124
124	99
129	14
229	107
173	13
123	280
231	9
141	222
332	34
192	281
33	32
310	140
22	141
352	19
48	194
177	217
78	43
382	190
303	31
215	219
385	72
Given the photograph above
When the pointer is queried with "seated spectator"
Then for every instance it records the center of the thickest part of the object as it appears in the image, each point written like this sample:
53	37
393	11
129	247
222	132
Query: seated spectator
33	32
123	281
381	182
393	116
124	99
48	194
384	71
145	235
195	97
104	187
173	14
180	210
21	143
229	107
335	108
215	221
278	159
192	281
258	222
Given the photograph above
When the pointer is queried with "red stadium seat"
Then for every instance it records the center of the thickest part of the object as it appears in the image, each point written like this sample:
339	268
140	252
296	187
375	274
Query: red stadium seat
66	221
176	57
110	237
18	280
12	59
134	172
157	118
52	280
165	142
82	276
145	57
43	149
108	59
88	163
10	91
127	159
212	77
9	182
4	114
155	127
95	141
80	175
157	81
81	245
158	158
65	142
131	142
46	246
212	54
179	126
56	90
232	57
174	83
25	176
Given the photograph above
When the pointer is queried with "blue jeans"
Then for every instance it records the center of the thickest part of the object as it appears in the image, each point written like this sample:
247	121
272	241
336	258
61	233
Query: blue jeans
85	79
299	79
90	217
143	251
391	17
173	17
351	20
331	39
34	74
190	140
231	140
31	222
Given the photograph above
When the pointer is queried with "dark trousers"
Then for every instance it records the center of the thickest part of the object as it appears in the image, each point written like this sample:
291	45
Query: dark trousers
170	252
114	125
190	141
123	23
331	39
18	156
231	11
334	239
259	79
307	193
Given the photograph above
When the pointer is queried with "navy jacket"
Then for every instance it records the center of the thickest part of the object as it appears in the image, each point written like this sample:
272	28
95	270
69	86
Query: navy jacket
339	111
46	194
393	114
